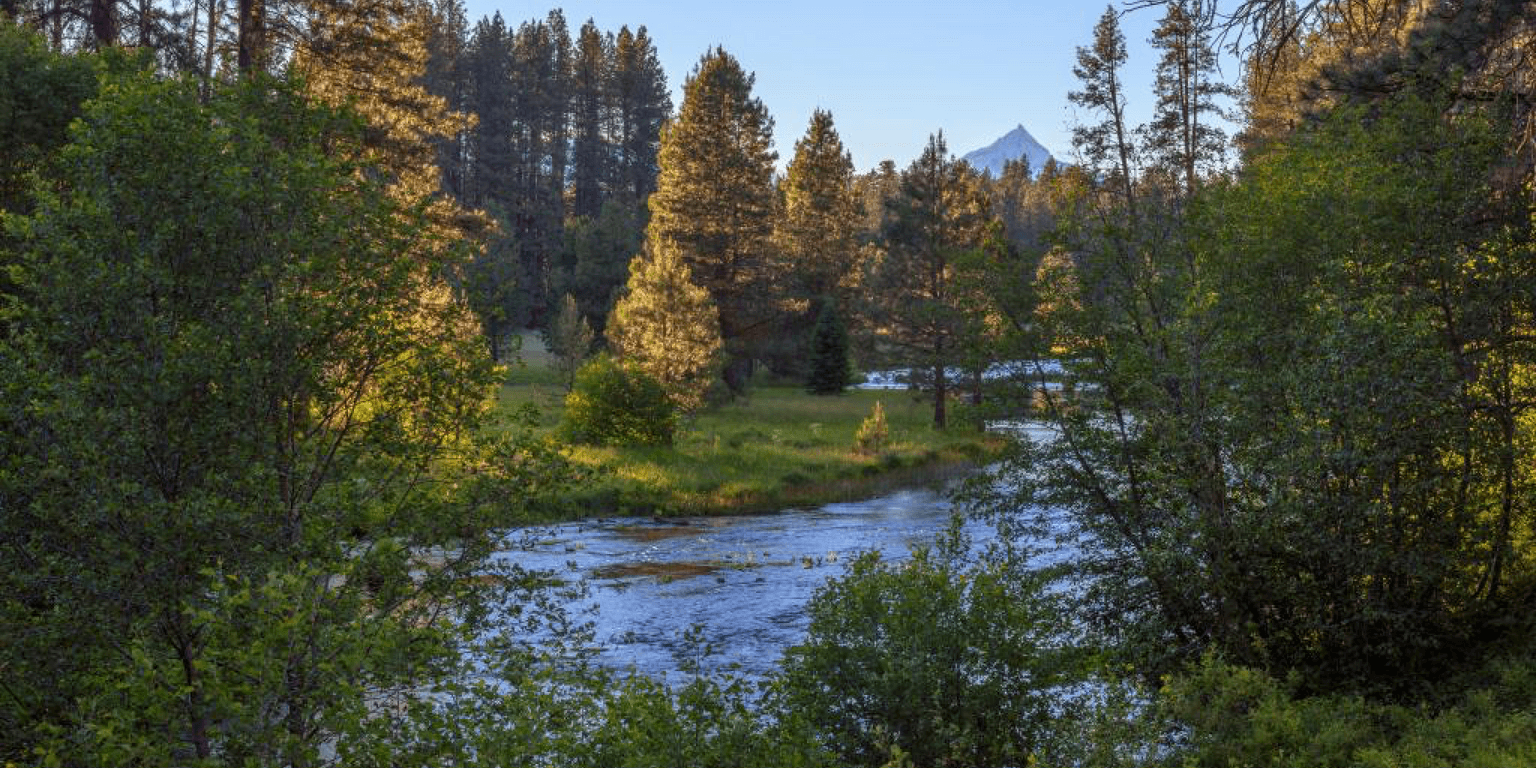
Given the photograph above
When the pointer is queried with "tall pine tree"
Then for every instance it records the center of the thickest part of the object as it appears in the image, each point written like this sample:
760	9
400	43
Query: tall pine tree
914	302
714	203
816	234
1182	139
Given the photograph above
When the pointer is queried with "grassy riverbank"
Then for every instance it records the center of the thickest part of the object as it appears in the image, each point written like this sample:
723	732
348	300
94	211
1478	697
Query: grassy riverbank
777	448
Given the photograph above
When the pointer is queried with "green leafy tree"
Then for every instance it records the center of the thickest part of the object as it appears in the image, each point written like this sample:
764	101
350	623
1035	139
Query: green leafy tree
1291	453
829	372
714	202
667	326
236	409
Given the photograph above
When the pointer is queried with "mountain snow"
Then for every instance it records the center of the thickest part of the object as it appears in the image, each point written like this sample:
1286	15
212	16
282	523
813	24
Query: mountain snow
1013	145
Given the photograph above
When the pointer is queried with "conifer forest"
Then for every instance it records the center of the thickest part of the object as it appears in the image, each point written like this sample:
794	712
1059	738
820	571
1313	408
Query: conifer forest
321	319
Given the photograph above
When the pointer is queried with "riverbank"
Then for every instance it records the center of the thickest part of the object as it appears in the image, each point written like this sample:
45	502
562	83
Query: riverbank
777	448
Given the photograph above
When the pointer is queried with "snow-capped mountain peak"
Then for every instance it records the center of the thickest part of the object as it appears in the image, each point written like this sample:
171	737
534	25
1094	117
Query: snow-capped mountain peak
1014	144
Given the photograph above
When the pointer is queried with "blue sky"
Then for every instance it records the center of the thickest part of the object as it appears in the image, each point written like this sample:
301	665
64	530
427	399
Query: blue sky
891	72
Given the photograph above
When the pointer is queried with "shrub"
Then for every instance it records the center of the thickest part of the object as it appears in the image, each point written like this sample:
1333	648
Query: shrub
948	664
617	404
874	434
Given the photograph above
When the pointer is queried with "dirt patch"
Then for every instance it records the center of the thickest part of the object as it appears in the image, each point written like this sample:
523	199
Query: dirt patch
645	533
666	571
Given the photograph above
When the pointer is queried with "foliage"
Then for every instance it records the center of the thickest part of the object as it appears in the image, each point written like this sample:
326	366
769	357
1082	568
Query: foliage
1240	716
873	434
237	409
949	664
40	93
1106	146
829	374
815	238
594	264
939	213
617	403
1182	139
707	722
668	327
570	339
715	202
1297	446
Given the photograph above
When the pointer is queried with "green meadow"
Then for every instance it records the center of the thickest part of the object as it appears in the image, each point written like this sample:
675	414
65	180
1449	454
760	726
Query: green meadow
777	447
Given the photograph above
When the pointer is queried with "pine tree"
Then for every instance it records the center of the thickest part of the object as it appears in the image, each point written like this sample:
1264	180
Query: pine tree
590	107
641	105
667	326
1107	146
492	156
1182	138
569	339
829	373
447	77
816	232
714	203
939	213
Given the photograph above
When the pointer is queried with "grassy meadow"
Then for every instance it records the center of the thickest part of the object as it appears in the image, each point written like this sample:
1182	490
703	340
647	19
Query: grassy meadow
779	447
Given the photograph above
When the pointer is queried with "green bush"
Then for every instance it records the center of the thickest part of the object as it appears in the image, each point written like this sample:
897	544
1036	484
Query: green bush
616	404
945	664
1232	715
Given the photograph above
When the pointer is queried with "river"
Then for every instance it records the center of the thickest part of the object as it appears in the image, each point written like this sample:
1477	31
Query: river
744	581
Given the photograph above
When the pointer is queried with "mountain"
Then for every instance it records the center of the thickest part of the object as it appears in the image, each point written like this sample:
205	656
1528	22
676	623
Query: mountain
1013	145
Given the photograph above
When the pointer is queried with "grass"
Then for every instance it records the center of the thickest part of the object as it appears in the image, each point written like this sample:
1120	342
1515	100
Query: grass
779	447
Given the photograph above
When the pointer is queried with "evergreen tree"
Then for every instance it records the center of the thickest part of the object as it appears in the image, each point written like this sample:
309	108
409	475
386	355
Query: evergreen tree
1107	146
569	339
1182	139
714	203
829	374
541	56
590	108
816	231
492	156
667	326
939	214
447	77
594	264
641	105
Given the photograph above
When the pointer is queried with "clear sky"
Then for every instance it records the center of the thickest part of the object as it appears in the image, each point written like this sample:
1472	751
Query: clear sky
890	71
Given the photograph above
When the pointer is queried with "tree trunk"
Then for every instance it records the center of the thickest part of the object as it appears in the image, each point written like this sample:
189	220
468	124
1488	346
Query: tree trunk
253	35
103	23
940	395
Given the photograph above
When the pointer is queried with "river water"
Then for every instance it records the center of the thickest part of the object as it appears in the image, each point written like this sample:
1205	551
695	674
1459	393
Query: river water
742	581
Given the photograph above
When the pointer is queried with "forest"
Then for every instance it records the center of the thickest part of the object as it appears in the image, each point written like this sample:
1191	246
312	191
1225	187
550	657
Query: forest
268	267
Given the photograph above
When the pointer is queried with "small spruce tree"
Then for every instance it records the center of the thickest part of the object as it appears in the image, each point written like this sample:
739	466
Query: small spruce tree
569	339
668	326
874	434
829	373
